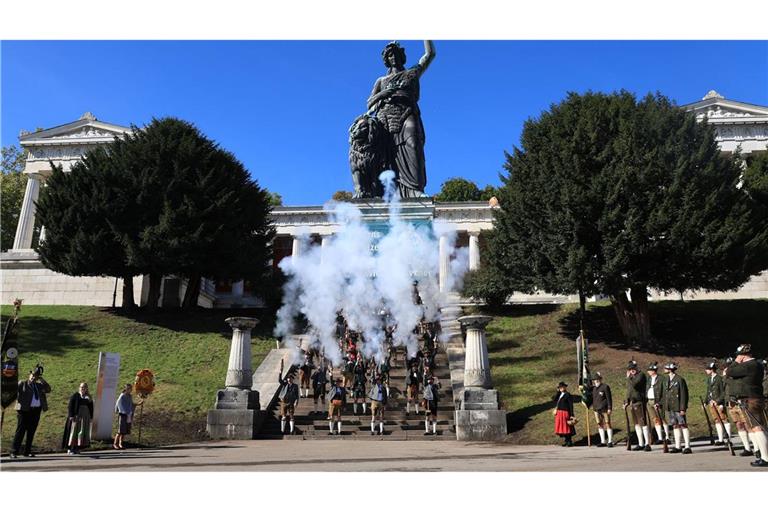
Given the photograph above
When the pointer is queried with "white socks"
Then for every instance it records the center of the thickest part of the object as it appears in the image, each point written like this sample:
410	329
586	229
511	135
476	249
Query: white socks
417	407
330	426
339	423
408	407
678	436
373	426
745	440
719	428
647	434
610	435
291	426
354	406
658	431
760	441
639	432
666	432
426	425
434	427
282	425
602	435
687	436
364	407
728	429
381	427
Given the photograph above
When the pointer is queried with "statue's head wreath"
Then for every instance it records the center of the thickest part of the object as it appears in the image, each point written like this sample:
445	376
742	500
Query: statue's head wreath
398	50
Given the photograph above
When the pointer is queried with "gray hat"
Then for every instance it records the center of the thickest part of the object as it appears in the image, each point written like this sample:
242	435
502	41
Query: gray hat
597	376
632	365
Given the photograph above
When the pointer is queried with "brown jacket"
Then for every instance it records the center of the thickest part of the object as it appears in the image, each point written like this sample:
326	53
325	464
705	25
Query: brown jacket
25	395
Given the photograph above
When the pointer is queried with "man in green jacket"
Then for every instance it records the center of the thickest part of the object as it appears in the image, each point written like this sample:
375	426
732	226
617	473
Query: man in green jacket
676	407
748	373
737	416
715	401
635	401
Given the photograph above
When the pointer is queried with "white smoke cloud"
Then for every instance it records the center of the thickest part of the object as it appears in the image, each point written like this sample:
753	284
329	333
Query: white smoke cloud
345	274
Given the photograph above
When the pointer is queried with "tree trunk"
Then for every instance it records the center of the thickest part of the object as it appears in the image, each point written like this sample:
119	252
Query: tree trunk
155	282
192	293
128	302
633	316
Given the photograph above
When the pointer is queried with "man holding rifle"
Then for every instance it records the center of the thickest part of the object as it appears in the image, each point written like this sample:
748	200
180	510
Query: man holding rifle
732	406
715	401
602	403
653	393
675	407
747	375
635	402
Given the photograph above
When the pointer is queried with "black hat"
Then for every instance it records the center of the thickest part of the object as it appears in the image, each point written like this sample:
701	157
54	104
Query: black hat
670	366
712	366
729	360
746	348
597	376
632	365
654	366
562	385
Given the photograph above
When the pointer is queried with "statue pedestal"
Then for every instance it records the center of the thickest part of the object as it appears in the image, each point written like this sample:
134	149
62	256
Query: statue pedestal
478	417
236	413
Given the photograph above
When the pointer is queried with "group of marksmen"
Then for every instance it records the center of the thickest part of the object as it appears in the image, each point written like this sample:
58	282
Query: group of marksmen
737	392
358	375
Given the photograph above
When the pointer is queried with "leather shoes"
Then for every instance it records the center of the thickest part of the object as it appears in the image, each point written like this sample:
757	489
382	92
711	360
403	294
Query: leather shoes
672	449
638	448
647	448
687	450
14	456
759	463
746	453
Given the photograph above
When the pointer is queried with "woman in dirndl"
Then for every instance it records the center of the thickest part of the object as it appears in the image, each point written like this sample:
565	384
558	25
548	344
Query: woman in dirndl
564	424
77	432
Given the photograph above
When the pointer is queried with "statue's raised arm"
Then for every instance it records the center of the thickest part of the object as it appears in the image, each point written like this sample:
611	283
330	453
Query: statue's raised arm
428	57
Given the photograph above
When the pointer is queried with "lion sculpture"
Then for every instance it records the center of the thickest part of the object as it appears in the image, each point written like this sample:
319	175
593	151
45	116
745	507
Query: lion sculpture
367	155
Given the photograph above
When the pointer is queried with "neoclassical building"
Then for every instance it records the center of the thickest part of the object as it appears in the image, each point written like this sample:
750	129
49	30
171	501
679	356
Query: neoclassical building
738	125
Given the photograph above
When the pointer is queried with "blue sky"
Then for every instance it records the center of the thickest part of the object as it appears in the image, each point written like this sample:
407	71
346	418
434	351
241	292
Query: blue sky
284	107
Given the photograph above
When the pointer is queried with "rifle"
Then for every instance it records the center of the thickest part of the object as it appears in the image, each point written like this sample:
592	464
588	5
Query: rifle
709	423
589	435
629	432
727	434
661	417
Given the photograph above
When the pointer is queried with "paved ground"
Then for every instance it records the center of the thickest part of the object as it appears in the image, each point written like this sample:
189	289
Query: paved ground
376	455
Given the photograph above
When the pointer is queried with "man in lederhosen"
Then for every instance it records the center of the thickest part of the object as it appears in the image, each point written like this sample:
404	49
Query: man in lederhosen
289	397
635	401
602	403
715	401
675	396
653	394
737	416
319	379
748	373
431	390
412	381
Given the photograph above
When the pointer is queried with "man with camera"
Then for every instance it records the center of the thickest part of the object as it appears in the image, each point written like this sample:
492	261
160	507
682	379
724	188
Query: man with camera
747	374
30	403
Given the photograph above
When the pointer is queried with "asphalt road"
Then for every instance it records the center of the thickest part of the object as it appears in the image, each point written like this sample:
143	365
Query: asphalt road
381	455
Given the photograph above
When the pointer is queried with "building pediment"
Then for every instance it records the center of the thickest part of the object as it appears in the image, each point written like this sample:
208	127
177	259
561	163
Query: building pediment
717	109
86	130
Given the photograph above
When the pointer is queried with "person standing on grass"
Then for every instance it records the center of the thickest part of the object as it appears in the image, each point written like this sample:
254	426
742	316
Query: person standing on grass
716	402
635	401
124	409
30	404
602	403
77	432
653	393
564	424
676	407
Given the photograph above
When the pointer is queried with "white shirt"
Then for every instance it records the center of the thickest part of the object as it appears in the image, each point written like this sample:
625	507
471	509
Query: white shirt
651	395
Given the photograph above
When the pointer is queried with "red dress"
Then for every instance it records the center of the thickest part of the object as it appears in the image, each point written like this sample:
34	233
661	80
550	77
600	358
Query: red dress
563	413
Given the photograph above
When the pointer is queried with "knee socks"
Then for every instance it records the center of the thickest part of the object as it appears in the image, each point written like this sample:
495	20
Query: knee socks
728	429
678	436
719	428
686	436
282	424
381	427
745	440
639	432
610	435
292	423
658	431
647	435
760	442
601	431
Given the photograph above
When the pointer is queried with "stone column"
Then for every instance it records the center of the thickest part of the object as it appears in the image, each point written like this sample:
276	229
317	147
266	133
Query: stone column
42	235
240	372
26	226
296	248
324	241
479	417
444	255
477	370
237	412
237	289
474	250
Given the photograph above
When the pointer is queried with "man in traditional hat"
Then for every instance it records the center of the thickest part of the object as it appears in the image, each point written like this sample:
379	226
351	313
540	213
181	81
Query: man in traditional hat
653	393
430	405
289	397
602	403
716	402
676	406
635	400
378	396
731	389
747	374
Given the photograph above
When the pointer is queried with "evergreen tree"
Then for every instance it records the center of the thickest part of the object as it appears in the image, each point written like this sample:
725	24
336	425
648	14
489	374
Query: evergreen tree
458	189
610	195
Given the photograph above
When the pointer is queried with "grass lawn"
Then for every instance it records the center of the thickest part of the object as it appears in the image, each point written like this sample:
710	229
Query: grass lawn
532	348
188	352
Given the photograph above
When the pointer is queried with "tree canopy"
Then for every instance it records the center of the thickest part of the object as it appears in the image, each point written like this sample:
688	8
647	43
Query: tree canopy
462	189
164	200
609	195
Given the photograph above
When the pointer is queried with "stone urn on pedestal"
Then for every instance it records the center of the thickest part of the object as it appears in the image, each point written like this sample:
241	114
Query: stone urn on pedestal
479	417
236	413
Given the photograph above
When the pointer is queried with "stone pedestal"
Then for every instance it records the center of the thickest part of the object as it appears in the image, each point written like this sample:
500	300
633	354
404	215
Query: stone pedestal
236	413
478	417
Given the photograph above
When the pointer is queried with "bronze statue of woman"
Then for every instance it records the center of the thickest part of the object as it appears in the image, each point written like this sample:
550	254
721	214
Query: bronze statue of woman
394	101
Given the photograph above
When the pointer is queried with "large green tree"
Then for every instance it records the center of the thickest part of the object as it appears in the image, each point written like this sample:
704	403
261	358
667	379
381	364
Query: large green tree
172	201
458	189
12	186
611	195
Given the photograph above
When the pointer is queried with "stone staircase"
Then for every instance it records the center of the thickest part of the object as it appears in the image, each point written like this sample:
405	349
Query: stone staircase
397	424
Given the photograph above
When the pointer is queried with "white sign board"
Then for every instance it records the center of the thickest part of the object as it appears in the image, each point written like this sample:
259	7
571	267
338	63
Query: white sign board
104	401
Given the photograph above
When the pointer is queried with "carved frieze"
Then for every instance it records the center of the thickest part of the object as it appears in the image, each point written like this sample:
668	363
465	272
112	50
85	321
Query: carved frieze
742	132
